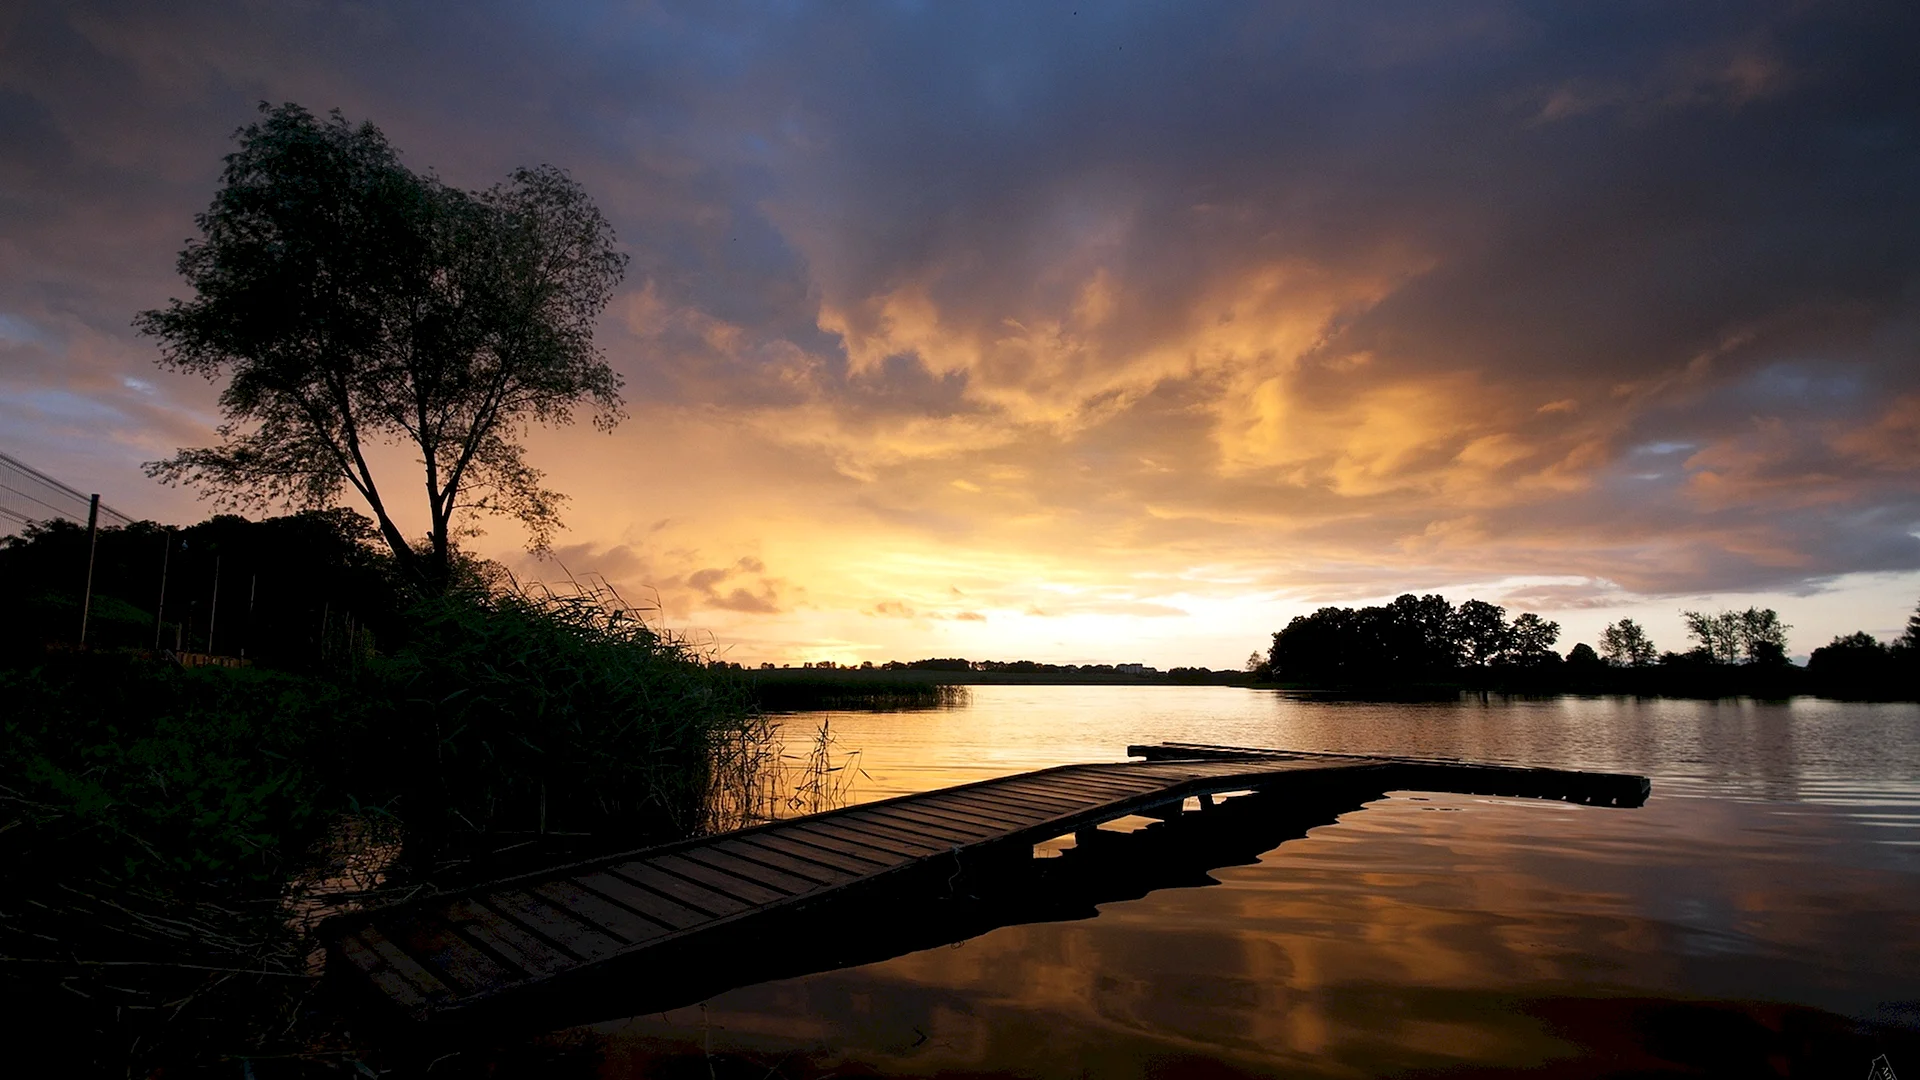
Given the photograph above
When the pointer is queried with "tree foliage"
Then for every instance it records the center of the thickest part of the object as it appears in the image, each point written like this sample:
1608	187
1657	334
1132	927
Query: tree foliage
1755	636
1626	644
1532	639
349	302
1481	631
1412	639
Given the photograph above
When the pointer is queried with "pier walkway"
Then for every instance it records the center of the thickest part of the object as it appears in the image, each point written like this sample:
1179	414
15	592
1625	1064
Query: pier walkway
646	913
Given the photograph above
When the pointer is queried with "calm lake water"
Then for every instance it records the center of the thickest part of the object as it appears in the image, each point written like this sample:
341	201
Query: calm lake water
1759	916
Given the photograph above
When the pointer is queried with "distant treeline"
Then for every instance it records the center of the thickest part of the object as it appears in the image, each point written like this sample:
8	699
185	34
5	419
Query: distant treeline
796	689
1418	641
955	671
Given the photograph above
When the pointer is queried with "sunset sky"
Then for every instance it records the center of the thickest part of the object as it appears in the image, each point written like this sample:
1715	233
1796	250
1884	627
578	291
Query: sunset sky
1093	333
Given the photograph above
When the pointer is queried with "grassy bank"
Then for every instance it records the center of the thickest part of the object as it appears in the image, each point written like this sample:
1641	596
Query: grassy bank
167	836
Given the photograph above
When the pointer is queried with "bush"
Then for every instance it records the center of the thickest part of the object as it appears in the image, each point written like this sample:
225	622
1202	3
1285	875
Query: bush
203	780
544	712
150	821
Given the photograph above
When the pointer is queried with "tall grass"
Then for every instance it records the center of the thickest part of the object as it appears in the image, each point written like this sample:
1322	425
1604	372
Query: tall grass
806	689
549	710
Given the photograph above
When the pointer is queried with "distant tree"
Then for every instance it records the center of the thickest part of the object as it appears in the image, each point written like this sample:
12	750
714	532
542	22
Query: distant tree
1852	663
1763	637
1480	632
1718	635
1583	658
1860	642
1625	644
1755	636
1321	647
1905	653
1532	639
349	301
1419	635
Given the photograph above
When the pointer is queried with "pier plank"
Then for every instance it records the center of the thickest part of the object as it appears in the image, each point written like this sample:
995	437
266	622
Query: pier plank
919	843
549	922
821	875
505	939
934	829
698	897
458	963
745	889
960	830
1048	805
853	831
808	834
833	860
645	901
791	884
985	804
616	921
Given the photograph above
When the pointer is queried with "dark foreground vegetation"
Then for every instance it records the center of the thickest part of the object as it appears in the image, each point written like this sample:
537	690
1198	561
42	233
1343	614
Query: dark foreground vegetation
1424	644
242	725
168	833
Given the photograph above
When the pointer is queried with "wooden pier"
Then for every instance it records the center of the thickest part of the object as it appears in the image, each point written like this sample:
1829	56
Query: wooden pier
703	906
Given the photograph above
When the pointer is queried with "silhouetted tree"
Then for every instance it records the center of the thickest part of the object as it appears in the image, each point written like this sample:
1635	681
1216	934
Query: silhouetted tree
1755	635
1583	659
1763	637
1625	644
349	301
1321	647
1850	657
1480	632
1718	635
1419	635
1905	651
1531	640
1909	642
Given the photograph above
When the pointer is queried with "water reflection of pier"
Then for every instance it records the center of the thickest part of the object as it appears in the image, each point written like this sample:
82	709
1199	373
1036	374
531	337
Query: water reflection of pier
667	926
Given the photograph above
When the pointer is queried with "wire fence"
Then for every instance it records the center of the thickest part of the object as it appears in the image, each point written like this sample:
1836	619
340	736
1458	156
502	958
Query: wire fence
28	495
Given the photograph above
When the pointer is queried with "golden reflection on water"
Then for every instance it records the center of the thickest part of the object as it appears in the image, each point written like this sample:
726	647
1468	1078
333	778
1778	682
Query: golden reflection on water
1727	918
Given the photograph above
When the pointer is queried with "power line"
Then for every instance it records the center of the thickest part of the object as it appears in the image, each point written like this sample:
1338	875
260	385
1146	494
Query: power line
28	495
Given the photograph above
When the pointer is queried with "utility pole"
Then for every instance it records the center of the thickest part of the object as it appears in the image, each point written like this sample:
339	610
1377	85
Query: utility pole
160	609
93	535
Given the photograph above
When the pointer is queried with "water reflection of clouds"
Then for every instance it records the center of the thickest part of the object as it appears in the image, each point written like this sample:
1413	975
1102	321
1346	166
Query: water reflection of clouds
1396	939
1424	932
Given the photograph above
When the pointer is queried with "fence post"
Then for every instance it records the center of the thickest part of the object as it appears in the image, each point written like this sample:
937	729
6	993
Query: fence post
213	609
93	534
160	609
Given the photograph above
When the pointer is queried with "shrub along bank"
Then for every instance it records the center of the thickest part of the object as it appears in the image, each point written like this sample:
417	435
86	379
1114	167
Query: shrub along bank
166	833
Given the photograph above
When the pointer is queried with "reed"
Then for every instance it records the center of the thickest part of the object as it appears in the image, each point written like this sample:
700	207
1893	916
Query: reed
549	709
810	689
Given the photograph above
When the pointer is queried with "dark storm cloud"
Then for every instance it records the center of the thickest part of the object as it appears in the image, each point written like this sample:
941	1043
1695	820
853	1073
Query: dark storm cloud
1407	283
